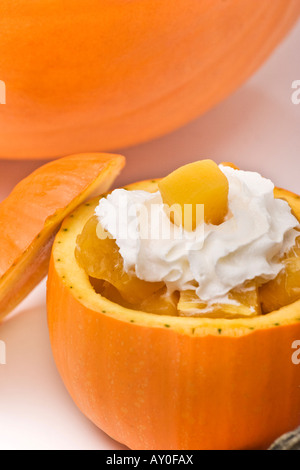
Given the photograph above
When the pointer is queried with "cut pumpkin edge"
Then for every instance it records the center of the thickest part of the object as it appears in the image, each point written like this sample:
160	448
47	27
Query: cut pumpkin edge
29	267
70	278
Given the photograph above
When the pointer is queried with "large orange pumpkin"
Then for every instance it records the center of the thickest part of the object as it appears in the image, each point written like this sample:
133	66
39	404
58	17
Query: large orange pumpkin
89	75
165	382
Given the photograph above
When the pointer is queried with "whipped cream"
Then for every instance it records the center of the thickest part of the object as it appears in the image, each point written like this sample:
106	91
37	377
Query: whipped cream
213	259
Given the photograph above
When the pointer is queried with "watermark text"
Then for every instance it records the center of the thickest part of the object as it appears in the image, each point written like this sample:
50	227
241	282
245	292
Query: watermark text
296	354
2	353
296	94
2	92
154	459
153	222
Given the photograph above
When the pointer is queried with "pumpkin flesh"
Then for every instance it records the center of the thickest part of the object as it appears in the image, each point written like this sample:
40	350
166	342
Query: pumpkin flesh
285	288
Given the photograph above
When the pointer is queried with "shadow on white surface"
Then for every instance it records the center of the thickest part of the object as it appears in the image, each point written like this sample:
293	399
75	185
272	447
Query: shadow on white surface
36	411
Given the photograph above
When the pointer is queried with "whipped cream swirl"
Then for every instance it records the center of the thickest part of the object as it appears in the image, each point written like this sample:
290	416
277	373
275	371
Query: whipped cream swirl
213	259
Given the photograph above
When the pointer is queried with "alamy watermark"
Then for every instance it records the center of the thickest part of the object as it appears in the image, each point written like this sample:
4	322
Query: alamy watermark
2	353
296	94
296	354
295	97
2	92
139	221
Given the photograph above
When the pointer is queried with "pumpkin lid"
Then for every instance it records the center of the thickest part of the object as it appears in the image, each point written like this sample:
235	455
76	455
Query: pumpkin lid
32	214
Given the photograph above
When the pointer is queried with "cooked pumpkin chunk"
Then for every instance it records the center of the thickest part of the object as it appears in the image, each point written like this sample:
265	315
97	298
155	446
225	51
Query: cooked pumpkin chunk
285	288
192	186
242	302
108	291
101	260
161	302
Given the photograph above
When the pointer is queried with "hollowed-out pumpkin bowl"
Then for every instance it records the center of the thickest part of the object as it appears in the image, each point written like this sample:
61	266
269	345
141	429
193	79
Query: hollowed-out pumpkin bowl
161	382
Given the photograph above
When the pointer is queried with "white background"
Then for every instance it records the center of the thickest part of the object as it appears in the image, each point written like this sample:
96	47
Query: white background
258	128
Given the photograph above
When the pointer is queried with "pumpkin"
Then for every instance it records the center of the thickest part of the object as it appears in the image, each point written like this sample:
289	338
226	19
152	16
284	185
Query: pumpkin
32	214
86	75
168	382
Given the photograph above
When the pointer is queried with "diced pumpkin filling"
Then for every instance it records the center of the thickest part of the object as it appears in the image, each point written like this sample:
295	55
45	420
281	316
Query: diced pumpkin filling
199	183
241	302
103	263
101	259
285	288
160	302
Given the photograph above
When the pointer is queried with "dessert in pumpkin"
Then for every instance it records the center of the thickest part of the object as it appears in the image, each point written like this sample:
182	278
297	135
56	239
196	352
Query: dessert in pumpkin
209	241
200	355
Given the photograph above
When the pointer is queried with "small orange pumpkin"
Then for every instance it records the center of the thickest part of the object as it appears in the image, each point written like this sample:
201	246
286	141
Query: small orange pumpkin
86	75
166	382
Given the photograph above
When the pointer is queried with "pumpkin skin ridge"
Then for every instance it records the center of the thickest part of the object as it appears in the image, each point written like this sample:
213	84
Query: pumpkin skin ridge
82	133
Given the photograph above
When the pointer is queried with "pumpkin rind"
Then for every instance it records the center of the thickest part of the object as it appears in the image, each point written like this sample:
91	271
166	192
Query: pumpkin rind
162	382
31	215
141	69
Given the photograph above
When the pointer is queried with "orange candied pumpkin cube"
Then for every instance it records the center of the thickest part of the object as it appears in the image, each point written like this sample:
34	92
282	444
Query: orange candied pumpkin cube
192	188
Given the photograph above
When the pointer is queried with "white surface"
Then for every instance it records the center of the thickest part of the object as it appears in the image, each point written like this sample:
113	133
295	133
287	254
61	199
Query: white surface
258	128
